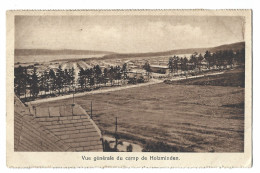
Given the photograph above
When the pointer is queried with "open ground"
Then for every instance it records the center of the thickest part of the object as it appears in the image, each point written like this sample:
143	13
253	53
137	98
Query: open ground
188	116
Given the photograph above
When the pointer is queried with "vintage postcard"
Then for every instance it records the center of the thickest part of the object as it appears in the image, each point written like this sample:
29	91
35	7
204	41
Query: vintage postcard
129	88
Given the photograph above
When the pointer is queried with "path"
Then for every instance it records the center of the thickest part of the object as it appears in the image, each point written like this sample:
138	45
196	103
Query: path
151	82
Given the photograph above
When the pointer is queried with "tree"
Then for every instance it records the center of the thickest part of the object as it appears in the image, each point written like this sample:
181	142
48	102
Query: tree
92	81
42	81
98	74
220	56
171	64
230	58
105	76
124	71
66	81
240	56
88	73
129	148
176	60
34	87
26	81
147	67
200	59
182	64
194	61
118	74
91	77
111	74
208	58
214	60
20	80
46	85
52	80
59	78
185	61
81	78
71	77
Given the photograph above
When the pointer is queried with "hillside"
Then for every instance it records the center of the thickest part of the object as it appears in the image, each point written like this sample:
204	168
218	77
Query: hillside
234	47
112	55
232	78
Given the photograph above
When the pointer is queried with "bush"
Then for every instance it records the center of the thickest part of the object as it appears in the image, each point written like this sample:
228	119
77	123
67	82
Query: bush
107	147
140	80
159	147
129	148
132	81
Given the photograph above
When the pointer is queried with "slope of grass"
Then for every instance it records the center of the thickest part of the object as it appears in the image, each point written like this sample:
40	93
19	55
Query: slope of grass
186	117
234	78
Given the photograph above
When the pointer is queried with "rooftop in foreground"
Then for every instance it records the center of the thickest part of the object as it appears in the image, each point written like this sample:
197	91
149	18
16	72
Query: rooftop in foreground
67	128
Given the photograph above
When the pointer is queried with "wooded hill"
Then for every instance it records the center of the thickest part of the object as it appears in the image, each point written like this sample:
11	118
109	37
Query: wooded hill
233	47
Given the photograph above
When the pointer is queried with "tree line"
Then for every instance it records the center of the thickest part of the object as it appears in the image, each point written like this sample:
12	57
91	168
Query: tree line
95	76
218	59
64	80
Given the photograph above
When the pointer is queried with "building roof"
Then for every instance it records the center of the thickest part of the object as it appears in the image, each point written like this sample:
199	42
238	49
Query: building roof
159	66
137	71
72	125
30	135
128	61
56	129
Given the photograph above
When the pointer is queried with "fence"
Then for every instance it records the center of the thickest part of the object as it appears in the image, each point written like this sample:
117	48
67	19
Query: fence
57	111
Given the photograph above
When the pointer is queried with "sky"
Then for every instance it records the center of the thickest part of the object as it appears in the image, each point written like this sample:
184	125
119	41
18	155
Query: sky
126	34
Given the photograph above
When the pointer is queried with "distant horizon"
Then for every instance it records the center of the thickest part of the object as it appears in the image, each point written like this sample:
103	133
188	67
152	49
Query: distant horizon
131	52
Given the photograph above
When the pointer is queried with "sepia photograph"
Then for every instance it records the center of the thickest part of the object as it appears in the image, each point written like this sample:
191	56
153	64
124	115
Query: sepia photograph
129	83
96	86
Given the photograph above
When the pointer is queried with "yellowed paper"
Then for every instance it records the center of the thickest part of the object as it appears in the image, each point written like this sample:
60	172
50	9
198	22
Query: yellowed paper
129	88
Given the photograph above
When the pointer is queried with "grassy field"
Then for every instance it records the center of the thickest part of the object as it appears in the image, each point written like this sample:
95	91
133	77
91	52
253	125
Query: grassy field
194	118
235	78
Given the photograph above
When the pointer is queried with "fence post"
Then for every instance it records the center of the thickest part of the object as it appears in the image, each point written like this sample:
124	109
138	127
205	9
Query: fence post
91	111
34	110
116	137
49	111
73	97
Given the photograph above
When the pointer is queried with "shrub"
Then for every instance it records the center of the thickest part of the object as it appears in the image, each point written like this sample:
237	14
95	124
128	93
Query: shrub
107	147
159	147
129	148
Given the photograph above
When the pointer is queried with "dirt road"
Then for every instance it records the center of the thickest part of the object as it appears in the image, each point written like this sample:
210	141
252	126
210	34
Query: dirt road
151	82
